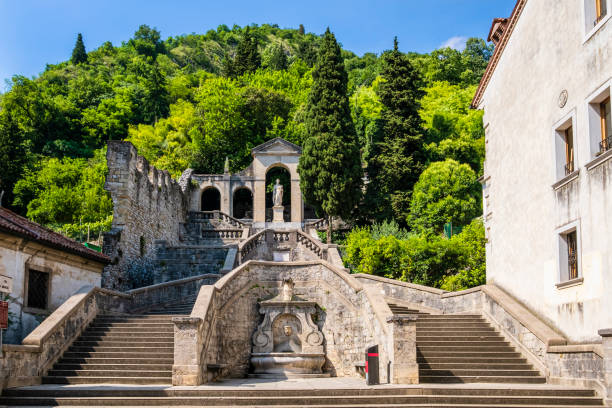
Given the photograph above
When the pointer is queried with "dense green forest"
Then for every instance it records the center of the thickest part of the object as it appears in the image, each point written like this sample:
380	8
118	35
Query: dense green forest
193	100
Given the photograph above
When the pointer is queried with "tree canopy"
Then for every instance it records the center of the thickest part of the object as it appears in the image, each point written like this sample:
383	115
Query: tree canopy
193	100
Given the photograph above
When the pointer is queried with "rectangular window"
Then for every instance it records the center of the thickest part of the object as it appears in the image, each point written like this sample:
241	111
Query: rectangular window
565	148
569	254
606	125
572	255
38	289
569	150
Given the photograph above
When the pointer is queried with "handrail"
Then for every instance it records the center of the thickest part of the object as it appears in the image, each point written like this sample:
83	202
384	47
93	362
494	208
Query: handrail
319	224
311	243
216	214
246	247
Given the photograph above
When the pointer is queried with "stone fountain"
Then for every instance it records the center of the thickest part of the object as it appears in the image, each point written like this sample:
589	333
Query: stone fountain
287	343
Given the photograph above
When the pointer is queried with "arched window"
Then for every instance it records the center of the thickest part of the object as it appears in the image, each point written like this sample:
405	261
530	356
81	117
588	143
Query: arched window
211	199
243	203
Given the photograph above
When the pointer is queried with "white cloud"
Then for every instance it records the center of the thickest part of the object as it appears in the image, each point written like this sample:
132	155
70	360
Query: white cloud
457	43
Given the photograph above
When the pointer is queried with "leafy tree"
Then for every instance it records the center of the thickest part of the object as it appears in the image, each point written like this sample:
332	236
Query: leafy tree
330	166
274	57
453	129
147	42
247	55
79	55
65	191
471	242
396	158
446	192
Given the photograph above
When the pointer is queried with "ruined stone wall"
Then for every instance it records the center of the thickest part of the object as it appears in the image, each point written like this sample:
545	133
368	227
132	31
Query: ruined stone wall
148	205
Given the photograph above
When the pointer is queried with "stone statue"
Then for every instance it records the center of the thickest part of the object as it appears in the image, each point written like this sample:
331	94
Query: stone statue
287	293
277	194
289	343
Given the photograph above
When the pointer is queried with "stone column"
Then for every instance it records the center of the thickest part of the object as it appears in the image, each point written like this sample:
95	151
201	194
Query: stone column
606	335
296	201
259	201
187	368
226	195
402	349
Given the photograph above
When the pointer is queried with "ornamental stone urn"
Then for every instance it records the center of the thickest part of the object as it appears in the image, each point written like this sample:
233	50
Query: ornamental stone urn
287	343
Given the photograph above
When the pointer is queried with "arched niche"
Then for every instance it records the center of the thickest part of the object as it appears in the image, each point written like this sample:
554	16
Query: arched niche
242	203
279	172
210	199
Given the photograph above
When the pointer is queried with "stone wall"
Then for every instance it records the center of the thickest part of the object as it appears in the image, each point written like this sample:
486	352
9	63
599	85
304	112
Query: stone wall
148	205
228	316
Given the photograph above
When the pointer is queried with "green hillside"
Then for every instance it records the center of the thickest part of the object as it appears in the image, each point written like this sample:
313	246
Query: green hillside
192	100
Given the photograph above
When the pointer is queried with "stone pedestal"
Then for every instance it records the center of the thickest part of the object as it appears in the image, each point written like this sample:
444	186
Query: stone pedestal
277	213
606	335
187	368
402	349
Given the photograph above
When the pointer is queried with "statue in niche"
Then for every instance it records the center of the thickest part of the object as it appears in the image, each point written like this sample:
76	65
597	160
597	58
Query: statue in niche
277	194
288	342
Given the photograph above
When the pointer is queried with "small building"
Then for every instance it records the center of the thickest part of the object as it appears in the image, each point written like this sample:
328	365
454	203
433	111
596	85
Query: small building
547	182
46	268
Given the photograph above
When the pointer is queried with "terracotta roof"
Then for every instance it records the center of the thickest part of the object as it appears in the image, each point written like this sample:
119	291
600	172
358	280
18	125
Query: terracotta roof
18	225
508	27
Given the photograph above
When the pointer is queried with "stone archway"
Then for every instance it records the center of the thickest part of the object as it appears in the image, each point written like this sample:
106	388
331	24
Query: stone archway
277	153
242	203
211	199
281	173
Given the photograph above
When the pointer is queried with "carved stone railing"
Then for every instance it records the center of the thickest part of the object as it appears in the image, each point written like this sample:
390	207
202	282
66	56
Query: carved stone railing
217	215
222	233
282	236
248	246
286	239
320	224
313	245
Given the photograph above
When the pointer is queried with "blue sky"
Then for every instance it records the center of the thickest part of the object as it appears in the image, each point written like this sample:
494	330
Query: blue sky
36	32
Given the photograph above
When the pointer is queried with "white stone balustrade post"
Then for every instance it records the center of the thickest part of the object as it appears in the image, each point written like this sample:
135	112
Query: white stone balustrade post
402	349
187	368
606	335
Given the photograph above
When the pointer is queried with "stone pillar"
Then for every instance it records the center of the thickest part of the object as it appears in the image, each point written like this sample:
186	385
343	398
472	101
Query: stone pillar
402	349
606	335
259	201
226	195
296	202
187	368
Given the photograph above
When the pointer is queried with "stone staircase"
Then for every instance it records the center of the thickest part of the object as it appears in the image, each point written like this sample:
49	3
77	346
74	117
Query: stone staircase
466	349
123	349
400	310
324	397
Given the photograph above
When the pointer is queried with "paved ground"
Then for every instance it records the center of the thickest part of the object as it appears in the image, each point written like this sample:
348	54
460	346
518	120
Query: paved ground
297	383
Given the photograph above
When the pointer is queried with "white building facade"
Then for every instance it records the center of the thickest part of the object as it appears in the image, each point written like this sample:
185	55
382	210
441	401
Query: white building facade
548	172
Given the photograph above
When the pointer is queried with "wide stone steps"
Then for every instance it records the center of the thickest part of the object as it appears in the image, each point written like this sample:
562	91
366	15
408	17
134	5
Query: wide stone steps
119	349
448	346
337	398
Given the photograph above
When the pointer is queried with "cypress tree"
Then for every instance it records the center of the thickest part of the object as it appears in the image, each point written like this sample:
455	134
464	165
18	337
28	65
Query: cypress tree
227	66
79	55
397	157
330	165
247	55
